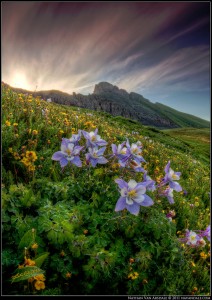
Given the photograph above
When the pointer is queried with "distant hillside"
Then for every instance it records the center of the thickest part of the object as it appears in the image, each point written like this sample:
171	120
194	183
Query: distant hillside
109	98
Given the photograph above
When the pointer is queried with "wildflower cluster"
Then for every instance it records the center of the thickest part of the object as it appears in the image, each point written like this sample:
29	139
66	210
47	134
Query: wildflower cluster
196	239
29	159
133	194
170	177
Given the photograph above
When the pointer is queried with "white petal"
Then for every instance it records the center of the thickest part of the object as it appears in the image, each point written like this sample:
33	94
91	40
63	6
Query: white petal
129	201
123	192
139	199
132	184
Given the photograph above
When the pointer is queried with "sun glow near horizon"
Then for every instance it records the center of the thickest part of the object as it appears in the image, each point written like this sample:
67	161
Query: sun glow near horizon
19	80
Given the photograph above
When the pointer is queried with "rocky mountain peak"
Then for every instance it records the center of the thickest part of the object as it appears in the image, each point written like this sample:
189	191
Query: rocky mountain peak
105	87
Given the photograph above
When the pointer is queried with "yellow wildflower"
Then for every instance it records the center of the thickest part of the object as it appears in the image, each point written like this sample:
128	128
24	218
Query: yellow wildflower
7	123
39	285
29	262
31	156
34	132
40	277
34	246
68	275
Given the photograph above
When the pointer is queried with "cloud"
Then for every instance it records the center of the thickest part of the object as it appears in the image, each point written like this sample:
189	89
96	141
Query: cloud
72	46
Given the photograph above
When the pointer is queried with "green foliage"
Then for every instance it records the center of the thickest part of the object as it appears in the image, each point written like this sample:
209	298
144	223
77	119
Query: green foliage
25	273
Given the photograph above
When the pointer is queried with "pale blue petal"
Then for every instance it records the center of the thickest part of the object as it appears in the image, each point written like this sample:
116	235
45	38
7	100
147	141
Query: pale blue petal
114	148
147	201
93	162
102	160
121	183
76	161
171	200
101	151
175	186
63	162
134	208
121	204
57	155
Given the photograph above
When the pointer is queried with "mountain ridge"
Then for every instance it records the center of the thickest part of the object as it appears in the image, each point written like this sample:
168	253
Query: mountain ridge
118	102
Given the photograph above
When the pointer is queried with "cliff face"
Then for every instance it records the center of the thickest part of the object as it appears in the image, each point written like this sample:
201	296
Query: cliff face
109	98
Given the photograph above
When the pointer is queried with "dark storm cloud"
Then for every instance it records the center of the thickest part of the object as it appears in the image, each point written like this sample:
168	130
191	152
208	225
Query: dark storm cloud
137	45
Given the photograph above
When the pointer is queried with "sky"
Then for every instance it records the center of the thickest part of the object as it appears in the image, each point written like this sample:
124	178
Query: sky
160	50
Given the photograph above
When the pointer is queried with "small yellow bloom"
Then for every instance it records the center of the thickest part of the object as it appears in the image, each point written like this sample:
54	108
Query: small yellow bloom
40	277
34	246
68	275
39	285
34	132
196	204
29	262
7	123
31	156
10	150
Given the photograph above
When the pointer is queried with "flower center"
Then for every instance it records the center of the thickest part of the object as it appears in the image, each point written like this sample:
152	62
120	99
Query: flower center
132	194
93	138
123	151
68	151
174	176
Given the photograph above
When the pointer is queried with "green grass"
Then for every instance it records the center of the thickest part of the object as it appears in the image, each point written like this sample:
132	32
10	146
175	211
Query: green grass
81	244
197	139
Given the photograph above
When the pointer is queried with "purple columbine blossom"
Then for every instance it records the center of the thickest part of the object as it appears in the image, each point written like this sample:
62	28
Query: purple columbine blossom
69	153
95	156
192	239
75	138
132	196
170	176
206	233
93	139
135	151
168	192
136	166
122	153
150	184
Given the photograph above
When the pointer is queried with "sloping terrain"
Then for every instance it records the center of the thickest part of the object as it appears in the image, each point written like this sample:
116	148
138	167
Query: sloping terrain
118	102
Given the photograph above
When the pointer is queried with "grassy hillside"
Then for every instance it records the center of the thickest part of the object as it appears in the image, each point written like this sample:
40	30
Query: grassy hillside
197	139
61	234
133	105
182	119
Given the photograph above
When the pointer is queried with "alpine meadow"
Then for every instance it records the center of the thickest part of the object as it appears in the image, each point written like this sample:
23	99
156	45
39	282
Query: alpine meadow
95	204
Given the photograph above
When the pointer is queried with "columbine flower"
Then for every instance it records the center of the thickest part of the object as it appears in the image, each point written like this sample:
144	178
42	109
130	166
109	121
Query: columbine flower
207	233
135	151
150	184
69	153
132	196
95	156
93	139
75	138
122	153
136	166
192	238
168	192
170	177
